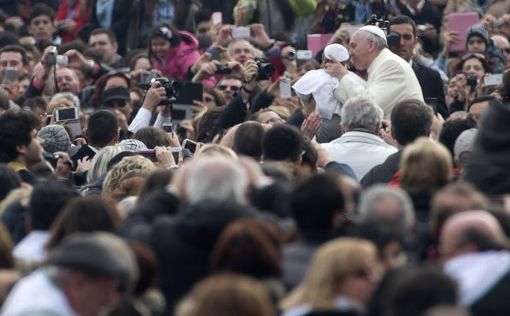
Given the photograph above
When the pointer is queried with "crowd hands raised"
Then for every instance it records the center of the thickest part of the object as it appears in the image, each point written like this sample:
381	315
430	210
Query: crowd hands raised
193	158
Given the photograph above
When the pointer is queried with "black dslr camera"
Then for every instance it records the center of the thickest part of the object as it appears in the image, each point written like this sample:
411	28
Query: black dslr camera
471	81
223	69
266	69
171	89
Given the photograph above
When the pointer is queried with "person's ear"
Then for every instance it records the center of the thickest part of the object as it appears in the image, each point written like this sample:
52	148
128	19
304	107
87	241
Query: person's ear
21	149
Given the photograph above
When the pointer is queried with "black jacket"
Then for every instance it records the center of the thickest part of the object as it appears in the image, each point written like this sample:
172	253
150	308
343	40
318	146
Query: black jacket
183	240
431	87
489	167
495	302
383	172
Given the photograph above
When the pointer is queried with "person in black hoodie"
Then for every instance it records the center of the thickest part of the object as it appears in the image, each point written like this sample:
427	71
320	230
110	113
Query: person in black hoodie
183	225
489	166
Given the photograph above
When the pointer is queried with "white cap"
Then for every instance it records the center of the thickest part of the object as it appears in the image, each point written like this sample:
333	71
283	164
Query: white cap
336	52
374	30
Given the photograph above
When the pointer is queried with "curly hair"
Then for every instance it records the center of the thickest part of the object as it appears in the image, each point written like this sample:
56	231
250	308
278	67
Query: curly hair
16	130
126	166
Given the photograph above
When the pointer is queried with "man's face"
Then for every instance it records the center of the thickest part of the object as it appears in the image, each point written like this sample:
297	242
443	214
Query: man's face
359	48
407	41
502	43
42	28
475	44
67	80
32	153
101	43
94	295
204	28
230	88
12	60
242	51
477	109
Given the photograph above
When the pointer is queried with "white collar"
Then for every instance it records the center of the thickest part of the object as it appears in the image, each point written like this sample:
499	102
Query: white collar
477	273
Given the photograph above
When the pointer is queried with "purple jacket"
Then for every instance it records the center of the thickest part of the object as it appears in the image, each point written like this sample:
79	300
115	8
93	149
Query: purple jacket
179	59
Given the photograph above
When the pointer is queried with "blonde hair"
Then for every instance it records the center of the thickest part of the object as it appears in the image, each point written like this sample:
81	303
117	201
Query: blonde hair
99	164
425	165
331	264
216	150
127	166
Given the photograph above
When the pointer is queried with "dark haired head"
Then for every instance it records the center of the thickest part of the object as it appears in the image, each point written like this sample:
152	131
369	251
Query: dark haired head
410	119
9	180
16	49
84	214
46	201
108	32
452	129
248	246
102	128
152	137
167	32
202	15
248	139
402	19
314	204
282	142
15	130
41	9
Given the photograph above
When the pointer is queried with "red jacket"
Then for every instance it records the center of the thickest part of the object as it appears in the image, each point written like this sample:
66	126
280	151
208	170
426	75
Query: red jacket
66	11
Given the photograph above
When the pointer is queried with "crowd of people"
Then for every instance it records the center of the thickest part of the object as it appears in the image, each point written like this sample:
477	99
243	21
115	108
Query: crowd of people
193	158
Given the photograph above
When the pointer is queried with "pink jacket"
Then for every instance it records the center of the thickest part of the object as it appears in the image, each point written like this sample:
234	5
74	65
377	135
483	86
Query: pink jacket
178	60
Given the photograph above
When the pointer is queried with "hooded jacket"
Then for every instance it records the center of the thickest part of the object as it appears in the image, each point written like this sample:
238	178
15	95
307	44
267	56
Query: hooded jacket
178	59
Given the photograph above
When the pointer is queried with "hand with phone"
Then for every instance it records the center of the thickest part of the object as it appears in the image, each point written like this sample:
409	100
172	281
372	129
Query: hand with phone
224	36
164	157
259	36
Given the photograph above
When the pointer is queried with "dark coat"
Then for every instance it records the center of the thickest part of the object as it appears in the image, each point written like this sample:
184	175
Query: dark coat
431	87
489	167
383	172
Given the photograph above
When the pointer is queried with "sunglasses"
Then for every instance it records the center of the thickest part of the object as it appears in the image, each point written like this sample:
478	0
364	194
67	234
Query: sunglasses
475	55
116	103
231	88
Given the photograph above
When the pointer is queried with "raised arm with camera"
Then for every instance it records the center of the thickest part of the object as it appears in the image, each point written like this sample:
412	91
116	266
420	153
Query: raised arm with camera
154	96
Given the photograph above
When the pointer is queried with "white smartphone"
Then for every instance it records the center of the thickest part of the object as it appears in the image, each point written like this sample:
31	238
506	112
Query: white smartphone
493	79
241	32
304	54
216	18
285	89
66	114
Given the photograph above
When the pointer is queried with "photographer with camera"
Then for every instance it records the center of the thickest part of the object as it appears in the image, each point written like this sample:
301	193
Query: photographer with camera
155	96
468	83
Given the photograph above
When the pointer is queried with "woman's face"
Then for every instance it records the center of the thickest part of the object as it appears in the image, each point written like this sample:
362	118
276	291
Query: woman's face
143	63
208	100
474	67
361	285
160	46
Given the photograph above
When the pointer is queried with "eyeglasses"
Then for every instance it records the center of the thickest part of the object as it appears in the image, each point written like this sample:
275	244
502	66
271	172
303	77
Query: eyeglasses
231	88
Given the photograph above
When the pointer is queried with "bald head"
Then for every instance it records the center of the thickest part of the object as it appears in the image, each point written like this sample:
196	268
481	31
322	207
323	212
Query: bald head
502	43
470	231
